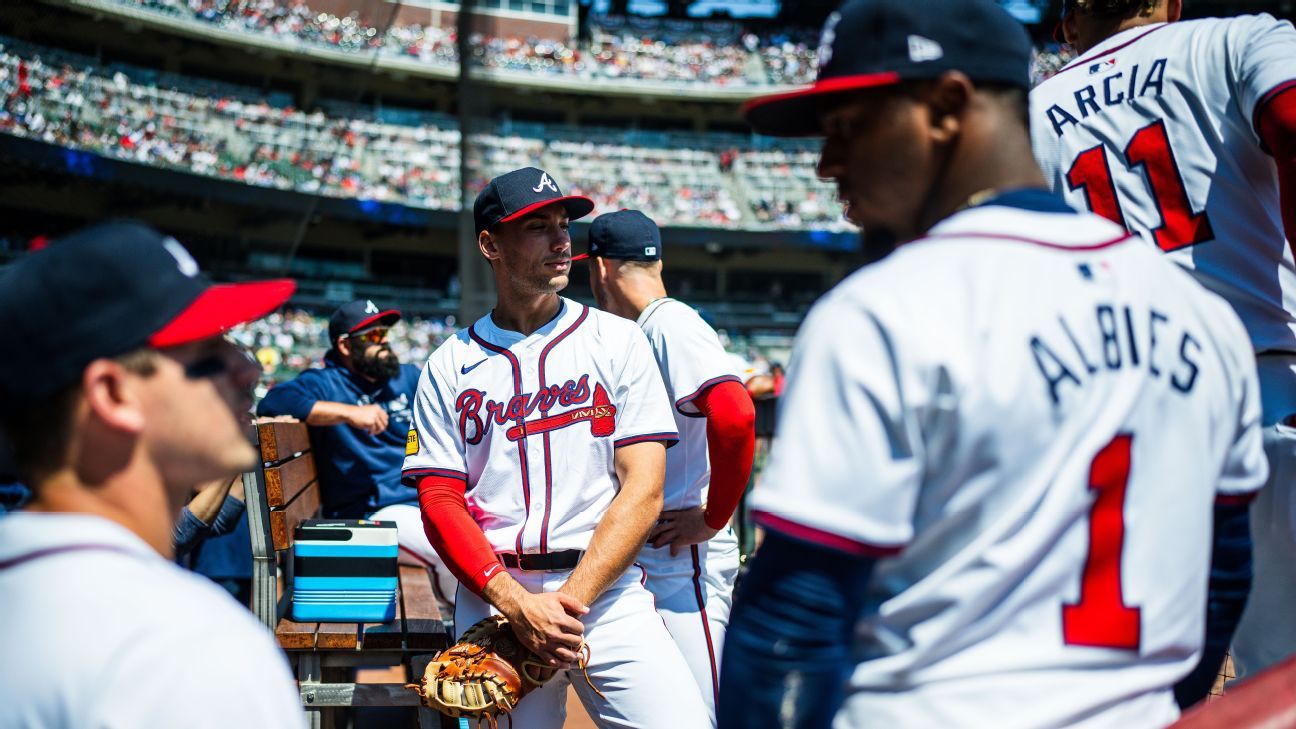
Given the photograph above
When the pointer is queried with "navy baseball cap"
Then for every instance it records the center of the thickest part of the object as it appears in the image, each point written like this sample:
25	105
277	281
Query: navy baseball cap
514	194
357	315
104	291
872	43
626	235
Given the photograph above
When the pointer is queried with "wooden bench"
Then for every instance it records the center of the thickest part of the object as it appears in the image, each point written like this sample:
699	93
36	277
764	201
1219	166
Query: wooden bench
280	495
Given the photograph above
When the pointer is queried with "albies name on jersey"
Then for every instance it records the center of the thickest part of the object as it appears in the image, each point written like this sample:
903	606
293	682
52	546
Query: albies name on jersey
1126	338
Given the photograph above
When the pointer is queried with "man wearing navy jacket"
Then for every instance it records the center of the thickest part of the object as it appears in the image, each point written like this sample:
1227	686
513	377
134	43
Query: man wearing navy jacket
358	410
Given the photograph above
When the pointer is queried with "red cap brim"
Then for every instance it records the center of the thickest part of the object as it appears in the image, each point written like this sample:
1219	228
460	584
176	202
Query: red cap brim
222	307
578	206
796	113
581	257
392	313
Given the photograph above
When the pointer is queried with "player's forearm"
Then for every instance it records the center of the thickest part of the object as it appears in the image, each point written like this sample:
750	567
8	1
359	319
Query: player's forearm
330	413
207	503
504	592
788	647
622	531
1277	126
455	536
731	443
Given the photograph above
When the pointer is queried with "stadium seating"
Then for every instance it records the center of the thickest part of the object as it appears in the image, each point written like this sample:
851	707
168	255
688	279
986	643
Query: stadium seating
398	156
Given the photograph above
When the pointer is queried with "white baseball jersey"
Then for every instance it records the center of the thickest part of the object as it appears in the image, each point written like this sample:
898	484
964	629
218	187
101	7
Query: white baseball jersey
1027	416
1154	128
532	422
690	359
693	589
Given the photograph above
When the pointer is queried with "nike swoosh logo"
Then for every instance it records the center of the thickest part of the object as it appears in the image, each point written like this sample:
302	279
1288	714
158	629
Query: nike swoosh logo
466	369
491	570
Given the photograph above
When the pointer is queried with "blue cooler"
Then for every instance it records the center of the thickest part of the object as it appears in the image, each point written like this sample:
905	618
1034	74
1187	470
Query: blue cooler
344	570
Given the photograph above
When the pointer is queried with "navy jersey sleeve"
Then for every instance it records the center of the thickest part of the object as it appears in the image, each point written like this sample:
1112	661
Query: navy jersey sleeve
297	397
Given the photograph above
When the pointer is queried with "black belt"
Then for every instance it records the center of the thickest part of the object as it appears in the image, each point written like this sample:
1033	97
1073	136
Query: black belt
548	562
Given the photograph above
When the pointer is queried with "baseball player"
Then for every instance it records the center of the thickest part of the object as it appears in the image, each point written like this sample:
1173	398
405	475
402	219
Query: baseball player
991	439
1185	132
120	396
358	408
692	554
539	448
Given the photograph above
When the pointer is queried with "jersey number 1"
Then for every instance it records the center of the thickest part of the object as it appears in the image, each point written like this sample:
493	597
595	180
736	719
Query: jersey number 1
1149	148
1100	618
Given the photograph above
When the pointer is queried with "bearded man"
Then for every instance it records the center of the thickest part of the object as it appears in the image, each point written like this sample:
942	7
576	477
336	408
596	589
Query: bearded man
358	410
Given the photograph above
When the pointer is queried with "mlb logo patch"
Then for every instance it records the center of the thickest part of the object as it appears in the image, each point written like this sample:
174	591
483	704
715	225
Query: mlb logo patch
1101	66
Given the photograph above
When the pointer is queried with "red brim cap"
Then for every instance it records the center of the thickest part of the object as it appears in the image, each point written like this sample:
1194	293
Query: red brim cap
391	316
796	113
221	308
578	206
581	257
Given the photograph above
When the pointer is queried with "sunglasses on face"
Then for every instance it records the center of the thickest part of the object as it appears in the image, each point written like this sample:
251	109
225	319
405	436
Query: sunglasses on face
371	336
217	363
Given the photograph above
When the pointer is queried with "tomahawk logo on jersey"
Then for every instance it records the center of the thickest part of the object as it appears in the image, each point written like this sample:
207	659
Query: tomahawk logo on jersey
1139	132
531	423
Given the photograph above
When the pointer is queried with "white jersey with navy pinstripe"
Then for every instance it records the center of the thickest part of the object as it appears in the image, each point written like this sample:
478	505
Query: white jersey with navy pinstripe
1155	128
532	423
691	359
1022	416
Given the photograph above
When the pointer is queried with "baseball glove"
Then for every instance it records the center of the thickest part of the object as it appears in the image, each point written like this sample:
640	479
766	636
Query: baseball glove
484	675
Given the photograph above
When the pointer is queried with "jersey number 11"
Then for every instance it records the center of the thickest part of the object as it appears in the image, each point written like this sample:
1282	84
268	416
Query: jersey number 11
1100	618
1150	149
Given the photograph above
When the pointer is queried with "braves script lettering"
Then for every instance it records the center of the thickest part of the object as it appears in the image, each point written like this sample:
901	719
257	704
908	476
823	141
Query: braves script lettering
471	404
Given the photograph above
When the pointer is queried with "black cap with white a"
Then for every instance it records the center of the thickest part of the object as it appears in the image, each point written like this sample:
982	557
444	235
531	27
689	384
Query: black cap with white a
514	194
872	43
104	291
353	316
626	235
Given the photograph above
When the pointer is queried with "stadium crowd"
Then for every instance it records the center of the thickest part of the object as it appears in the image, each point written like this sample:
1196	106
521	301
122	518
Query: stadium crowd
71	101
291	341
783	57
610	56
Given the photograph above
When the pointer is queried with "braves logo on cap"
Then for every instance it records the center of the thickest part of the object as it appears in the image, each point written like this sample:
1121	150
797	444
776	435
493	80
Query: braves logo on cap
545	182
371	307
188	266
827	37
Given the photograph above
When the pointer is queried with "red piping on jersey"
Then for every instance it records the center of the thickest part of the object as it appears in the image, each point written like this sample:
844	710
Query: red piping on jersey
706	625
679	404
1082	60
669	438
540	372
1020	239
411	476
522	453
823	538
1265	98
1235	499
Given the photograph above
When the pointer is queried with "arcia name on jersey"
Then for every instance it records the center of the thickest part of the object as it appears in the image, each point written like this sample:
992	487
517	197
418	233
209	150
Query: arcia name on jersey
1112	90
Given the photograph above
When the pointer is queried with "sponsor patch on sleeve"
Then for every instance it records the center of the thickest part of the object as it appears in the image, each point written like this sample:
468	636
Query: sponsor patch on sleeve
411	443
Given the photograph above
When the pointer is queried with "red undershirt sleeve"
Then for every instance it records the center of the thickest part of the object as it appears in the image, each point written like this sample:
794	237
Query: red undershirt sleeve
453	532
731	442
1277	127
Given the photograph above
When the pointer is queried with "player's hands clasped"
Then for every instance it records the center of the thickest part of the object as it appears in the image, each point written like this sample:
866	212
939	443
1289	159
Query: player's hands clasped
547	623
681	529
372	419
